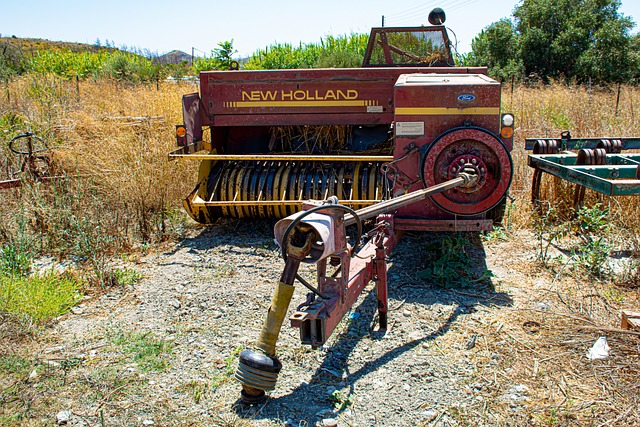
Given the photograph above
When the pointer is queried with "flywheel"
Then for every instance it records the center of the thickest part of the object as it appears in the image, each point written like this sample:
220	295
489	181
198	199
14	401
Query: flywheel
475	151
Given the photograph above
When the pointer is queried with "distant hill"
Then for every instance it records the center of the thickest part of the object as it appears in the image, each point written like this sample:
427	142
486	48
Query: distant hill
28	45
173	57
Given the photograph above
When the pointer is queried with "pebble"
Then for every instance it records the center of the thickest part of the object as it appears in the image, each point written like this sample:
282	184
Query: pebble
77	310
471	342
329	422
216	314
333	372
429	414
174	303
542	305
406	313
34	374
148	423
63	417
324	413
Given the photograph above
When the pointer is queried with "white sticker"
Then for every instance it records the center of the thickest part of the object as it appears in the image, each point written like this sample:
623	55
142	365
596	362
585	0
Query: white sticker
410	128
375	109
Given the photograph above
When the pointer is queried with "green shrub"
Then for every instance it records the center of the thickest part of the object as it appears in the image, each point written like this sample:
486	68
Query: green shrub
148	352
40	298
452	266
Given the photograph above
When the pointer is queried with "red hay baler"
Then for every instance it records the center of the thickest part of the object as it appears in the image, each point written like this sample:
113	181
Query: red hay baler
408	138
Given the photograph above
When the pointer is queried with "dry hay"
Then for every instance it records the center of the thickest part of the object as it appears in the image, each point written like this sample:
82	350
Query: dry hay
531	357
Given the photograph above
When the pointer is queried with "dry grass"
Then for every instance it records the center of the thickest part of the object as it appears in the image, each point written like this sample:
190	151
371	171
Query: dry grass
311	139
117	138
545	112
530	357
559	309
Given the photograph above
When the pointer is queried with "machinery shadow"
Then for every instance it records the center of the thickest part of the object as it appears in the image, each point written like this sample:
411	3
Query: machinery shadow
412	256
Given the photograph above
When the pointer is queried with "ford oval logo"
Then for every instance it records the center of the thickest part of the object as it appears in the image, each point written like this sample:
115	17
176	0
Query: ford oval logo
466	97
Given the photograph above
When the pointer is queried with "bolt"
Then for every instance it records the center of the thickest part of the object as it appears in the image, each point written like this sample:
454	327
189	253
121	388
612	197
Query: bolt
482	170
474	161
463	161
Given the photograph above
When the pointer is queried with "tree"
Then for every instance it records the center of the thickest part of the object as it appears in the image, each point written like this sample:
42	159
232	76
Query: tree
583	39
498	48
223	54
635	52
574	38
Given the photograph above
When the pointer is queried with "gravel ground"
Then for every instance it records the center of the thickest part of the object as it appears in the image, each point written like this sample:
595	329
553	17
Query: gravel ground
207	295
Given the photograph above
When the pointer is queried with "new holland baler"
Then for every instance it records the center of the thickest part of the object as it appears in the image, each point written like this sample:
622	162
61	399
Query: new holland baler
409	139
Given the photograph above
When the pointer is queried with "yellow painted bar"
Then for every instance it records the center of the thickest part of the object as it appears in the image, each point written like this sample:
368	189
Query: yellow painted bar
274	202
281	157
446	111
263	104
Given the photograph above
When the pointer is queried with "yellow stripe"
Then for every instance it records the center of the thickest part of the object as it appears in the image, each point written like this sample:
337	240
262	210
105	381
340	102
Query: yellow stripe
250	104
437	111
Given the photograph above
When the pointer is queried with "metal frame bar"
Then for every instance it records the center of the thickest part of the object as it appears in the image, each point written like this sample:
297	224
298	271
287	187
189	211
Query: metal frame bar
578	143
618	177
179	154
201	202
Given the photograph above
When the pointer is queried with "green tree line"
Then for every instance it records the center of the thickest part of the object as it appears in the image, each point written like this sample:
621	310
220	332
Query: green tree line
586	40
583	40
331	51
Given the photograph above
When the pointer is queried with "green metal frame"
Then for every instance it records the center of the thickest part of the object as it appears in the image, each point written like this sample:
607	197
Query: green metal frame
618	177
578	143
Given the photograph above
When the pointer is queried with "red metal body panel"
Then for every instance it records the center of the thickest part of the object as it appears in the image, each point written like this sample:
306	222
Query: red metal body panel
192	117
432	105
318	319
308	96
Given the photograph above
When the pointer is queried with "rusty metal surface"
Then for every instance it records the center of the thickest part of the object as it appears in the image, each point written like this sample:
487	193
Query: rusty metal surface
475	149
35	162
319	318
244	107
282	157
416	224
318	96
192	117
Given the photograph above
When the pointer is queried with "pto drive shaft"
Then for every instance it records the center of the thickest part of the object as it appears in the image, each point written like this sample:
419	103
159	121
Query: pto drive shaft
258	370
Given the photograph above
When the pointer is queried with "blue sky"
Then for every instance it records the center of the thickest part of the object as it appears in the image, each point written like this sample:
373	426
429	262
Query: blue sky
164	25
